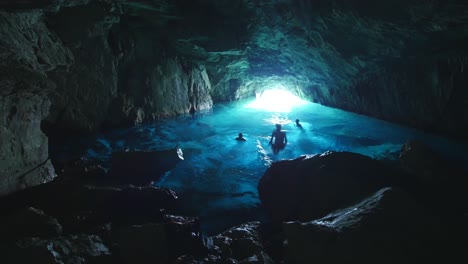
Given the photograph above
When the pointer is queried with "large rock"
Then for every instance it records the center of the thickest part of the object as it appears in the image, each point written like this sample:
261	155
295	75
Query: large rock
387	227
24	158
312	186
28	51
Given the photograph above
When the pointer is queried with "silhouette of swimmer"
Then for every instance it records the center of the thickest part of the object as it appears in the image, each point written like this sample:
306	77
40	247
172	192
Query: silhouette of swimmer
240	138
280	139
192	111
297	123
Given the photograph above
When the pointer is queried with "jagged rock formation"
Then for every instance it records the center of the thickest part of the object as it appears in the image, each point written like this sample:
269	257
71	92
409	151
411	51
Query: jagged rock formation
28	51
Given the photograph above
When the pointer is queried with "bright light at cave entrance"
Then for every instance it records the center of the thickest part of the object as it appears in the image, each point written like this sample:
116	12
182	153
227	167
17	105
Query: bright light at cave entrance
276	100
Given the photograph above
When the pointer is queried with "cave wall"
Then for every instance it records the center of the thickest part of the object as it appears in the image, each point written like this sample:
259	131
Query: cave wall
63	72
84	91
28	53
154	80
403	62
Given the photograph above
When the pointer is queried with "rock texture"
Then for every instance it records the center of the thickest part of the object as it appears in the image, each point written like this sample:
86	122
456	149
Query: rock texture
70	249
387	227
28	51
312	186
400	61
85	90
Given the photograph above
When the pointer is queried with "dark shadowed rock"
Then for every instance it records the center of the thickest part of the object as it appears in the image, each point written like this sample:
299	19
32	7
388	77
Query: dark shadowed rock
239	244
428	166
441	181
312	186
81	208
70	249
28	51
28	222
387	227
143	167
91	206
142	244
161	242
242	243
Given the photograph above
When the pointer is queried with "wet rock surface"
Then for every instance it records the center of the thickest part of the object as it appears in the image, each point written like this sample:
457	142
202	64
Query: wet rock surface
312	186
388	227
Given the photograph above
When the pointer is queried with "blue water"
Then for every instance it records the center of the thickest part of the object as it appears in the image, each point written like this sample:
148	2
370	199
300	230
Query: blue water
218	179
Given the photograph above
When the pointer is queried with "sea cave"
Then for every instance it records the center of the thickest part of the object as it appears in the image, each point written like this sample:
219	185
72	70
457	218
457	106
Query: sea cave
233	131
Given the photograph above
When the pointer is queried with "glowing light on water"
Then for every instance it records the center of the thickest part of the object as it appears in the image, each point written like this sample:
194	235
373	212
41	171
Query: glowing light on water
276	100
281	119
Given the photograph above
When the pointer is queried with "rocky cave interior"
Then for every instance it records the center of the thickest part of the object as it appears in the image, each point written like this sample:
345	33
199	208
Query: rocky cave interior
72	69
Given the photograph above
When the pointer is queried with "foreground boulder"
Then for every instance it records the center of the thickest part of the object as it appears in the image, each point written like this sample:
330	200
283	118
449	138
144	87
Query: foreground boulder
143	167
388	227
309	187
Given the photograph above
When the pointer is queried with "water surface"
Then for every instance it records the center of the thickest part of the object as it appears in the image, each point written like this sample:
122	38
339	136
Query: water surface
218	179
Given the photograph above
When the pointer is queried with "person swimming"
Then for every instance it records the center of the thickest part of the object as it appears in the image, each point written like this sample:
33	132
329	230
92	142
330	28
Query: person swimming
280	139
241	137
298	124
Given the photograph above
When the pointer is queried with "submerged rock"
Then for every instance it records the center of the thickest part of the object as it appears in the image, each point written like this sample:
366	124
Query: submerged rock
312	186
143	167
387	227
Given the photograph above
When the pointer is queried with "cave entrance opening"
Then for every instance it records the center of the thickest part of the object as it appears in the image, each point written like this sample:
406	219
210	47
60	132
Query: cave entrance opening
278	99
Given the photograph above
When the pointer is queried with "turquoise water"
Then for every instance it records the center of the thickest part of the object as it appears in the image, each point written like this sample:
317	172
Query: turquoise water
218	179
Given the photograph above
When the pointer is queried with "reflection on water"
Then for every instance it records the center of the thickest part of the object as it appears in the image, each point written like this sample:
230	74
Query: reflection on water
218	179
